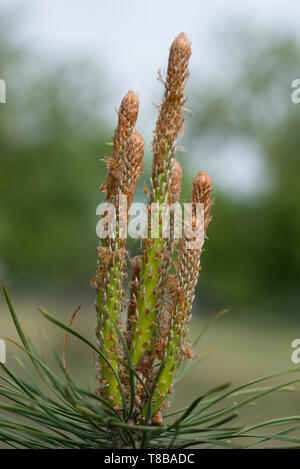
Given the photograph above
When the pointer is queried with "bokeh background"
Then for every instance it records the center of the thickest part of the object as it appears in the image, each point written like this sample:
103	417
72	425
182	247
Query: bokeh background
67	66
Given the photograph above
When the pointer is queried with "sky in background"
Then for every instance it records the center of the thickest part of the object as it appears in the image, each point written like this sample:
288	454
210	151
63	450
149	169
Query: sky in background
131	38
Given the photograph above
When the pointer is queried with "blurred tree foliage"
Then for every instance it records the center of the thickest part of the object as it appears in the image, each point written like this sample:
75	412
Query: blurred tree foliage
51	139
52	135
254	248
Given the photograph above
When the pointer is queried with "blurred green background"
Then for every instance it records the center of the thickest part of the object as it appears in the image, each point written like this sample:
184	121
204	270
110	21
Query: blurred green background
244	131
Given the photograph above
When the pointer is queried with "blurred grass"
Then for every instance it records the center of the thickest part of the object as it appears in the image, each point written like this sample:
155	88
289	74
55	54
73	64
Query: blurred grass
244	350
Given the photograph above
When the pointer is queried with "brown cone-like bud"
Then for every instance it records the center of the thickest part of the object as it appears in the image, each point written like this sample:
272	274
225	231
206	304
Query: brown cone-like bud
127	117
131	166
202	189
170	120
175	185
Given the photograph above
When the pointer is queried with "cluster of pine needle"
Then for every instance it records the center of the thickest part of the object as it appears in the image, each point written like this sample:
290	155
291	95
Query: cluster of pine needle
159	308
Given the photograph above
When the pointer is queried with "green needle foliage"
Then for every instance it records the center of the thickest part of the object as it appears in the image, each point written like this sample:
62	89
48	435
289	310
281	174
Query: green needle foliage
50	411
140	361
